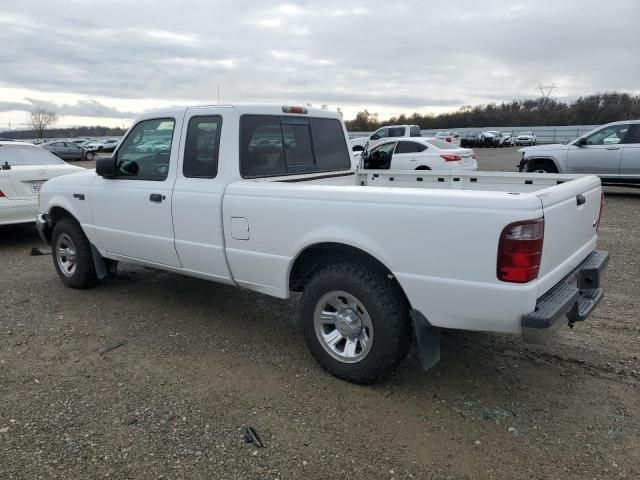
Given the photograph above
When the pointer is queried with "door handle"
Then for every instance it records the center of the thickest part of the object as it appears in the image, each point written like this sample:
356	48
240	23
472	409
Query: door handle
613	148
156	197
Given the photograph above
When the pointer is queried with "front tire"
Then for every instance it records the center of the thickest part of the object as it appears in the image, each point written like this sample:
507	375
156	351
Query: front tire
356	322
71	252
90	156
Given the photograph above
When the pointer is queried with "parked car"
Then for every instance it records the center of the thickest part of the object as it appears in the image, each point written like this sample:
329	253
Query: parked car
375	253
68	151
446	135
24	167
496	139
509	141
380	135
489	139
109	145
526	138
470	140
411	153
612	152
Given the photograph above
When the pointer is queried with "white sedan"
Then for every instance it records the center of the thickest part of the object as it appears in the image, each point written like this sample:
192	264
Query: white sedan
419	153
24	167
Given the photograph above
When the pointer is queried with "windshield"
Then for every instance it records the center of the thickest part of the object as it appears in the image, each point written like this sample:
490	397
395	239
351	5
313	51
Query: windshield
21	155
525	133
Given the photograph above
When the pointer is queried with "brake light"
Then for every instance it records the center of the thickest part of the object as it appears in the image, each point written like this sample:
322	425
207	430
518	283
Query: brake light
520	251
2	195
292	109
448	139
599	213
451	158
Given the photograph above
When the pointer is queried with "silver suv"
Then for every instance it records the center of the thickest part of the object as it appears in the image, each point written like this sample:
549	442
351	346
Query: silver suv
612	152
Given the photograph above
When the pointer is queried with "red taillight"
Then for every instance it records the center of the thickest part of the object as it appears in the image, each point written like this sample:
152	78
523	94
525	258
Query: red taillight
291	109
2	195
600	212
451	158
520	251
448	139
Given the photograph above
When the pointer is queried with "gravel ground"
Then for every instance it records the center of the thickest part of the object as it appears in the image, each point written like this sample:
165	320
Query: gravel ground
201	361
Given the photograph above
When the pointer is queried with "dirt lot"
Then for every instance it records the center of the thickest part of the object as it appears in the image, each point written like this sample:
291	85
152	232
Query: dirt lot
201	361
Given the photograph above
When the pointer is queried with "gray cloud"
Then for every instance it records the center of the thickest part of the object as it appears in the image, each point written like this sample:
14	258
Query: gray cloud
82	108
404	55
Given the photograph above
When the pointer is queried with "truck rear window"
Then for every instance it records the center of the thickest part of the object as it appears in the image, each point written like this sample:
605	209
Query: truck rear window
273	145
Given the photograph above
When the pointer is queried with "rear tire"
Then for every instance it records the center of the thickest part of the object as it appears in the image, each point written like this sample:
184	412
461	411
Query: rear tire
356	322
71	252
540	167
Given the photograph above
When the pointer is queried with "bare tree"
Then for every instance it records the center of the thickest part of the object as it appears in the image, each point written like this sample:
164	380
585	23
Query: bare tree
40	119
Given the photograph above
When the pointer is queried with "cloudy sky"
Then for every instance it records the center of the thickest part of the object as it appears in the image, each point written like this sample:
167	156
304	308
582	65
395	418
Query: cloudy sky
103	62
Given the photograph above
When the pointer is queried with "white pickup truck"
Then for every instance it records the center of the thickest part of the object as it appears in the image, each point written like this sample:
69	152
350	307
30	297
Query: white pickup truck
263	197
382	134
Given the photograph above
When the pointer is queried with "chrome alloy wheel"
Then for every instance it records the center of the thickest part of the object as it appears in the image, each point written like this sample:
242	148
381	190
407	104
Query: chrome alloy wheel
343	326
66	255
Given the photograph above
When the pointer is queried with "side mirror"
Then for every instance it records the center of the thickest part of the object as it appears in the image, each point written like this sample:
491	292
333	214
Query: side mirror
106	166
374	136
581	142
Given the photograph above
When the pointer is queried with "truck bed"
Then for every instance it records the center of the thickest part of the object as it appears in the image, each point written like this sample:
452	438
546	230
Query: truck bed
509	182
438	234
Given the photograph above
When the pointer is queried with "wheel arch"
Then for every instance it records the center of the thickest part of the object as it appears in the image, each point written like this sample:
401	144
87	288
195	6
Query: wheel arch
54	215
317	256
544	161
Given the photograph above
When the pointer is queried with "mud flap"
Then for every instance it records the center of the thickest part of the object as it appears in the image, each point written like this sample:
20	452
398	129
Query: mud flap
99	263
428	338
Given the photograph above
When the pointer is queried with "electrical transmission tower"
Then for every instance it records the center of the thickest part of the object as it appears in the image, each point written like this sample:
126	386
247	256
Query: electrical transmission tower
545	90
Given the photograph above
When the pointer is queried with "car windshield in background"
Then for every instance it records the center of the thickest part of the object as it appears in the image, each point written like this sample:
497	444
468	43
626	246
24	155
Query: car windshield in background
23	155
526	133
443	144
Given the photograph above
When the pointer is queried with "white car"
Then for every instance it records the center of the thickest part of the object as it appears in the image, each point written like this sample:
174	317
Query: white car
526	138
446	135
413	153
24	167
381	134
262	197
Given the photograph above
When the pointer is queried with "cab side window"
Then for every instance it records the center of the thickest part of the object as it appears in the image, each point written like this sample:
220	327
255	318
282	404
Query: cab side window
608	135
145	153
382	133
396	132
634	135
202	147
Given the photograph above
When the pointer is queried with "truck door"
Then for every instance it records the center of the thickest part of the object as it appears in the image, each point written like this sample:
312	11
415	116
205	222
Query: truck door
198	194
630	163
601	153
132	210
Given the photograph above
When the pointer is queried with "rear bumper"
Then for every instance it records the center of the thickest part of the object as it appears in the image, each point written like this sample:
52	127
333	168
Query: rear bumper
17	211
571	300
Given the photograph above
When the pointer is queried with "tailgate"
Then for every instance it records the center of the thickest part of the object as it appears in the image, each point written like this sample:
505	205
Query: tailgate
571	212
